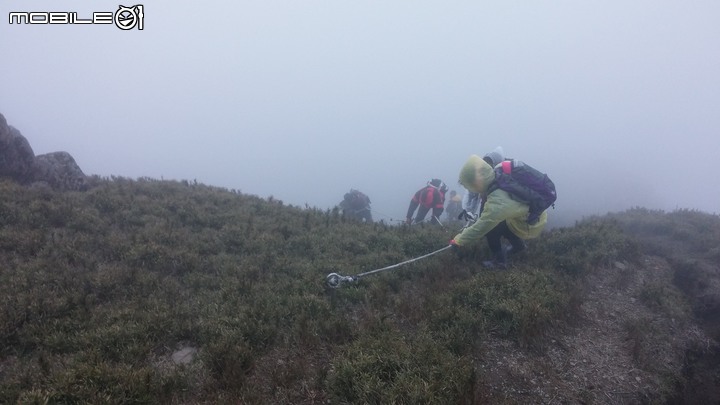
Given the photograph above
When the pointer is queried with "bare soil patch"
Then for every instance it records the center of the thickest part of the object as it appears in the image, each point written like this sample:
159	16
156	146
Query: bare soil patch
620	351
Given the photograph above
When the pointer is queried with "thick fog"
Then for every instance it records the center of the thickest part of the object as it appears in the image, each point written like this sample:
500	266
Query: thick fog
619	102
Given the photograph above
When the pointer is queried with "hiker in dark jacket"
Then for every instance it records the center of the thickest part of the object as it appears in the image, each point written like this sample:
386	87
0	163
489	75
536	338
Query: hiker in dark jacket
429	197
356	205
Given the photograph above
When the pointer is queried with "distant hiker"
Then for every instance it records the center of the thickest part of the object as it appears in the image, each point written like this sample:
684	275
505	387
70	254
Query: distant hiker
429	197
356	205
472	203
454	206
503	215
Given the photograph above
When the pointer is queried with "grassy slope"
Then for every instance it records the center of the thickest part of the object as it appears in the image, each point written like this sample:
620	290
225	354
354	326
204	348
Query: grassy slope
98	289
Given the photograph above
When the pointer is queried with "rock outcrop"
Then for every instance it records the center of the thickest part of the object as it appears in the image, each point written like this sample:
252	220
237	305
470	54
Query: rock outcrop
19	163
17	159
60	171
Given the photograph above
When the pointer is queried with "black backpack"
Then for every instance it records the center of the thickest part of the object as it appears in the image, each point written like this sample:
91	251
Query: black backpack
357	199
526	184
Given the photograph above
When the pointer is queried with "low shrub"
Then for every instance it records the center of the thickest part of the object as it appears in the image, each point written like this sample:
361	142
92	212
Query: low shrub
98	288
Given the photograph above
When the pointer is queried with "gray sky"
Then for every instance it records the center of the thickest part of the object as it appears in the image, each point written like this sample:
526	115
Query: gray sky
618	101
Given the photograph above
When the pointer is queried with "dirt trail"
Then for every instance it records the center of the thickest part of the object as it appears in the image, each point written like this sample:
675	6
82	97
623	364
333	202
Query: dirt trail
621	350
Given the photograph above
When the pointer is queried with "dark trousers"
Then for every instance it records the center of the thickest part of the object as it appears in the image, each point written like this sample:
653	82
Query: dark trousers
493	238
422	212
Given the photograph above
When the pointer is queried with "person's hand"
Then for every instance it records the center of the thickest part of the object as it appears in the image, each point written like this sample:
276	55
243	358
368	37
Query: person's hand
466	216
457	249
408	220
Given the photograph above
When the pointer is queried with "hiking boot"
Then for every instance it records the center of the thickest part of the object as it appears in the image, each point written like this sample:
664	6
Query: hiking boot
498	262
513	250
494	264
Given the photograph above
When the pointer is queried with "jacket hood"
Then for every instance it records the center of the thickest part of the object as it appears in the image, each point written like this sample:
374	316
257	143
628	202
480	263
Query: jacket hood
476	175
496	156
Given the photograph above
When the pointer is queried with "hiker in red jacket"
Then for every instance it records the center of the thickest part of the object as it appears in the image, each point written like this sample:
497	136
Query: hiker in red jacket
429	197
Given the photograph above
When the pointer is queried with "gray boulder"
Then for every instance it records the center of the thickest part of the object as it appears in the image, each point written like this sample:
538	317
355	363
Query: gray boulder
60	171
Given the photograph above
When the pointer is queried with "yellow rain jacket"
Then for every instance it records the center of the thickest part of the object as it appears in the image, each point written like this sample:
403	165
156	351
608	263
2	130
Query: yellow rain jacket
476	176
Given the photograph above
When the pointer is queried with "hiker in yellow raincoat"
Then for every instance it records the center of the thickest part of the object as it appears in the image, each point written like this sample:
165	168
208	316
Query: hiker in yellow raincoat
501	217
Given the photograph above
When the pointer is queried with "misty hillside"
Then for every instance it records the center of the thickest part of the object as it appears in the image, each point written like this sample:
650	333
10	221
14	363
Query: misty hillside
147	291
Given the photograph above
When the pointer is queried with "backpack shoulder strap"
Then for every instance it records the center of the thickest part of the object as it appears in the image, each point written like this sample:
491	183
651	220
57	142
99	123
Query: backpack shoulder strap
494	185
507	166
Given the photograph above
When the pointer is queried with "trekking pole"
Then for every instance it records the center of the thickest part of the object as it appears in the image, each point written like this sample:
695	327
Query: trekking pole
335	280
439	223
